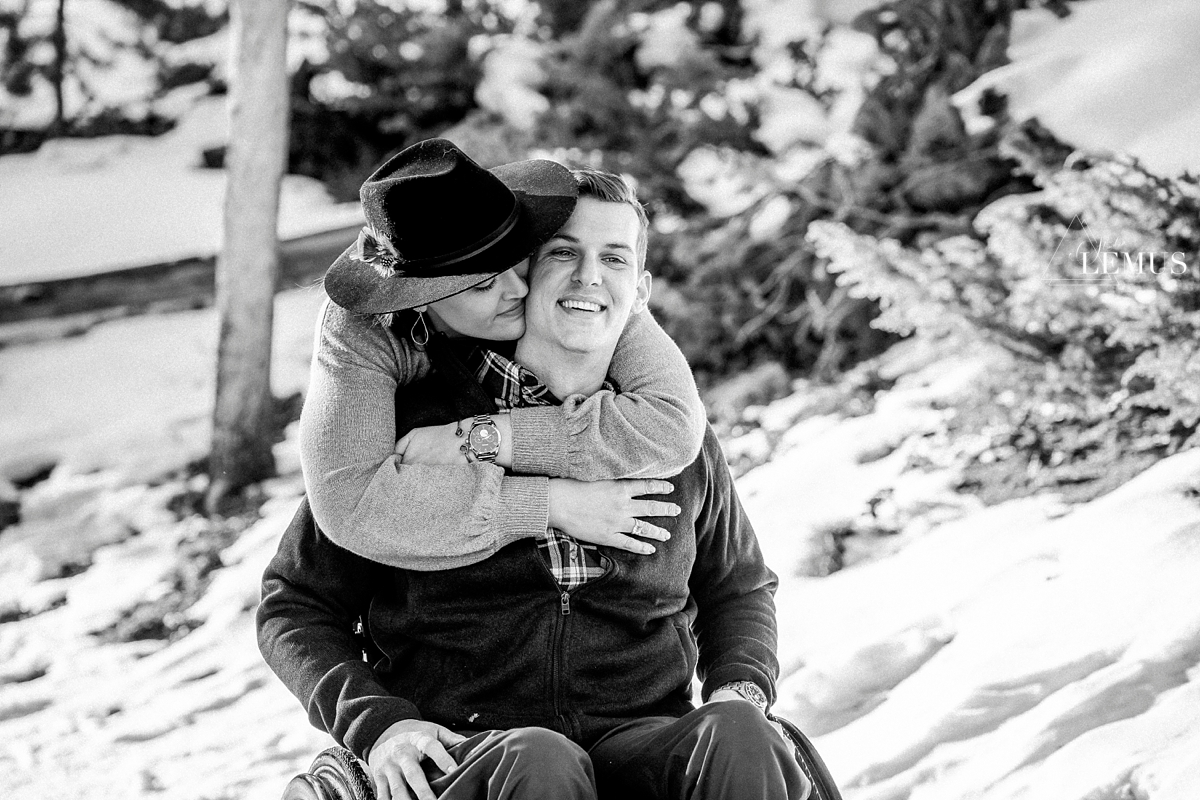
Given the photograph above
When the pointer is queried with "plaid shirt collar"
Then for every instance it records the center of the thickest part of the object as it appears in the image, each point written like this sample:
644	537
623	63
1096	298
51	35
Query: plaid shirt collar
512	385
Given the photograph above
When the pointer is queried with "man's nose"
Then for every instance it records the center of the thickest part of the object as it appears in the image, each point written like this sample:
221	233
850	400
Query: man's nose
513	285
587	270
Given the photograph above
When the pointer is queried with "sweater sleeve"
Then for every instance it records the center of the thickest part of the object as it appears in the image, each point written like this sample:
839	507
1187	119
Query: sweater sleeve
734	589
410	516
312	592
652	428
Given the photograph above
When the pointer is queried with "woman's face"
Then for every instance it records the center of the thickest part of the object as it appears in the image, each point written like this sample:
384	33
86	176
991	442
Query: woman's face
492	310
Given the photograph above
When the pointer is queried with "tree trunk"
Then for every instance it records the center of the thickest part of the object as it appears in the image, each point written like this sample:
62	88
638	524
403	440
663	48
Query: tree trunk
58	70
248	267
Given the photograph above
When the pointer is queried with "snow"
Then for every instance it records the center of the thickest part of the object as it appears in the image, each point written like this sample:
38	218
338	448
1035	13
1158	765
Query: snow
1013	652
1026	650
1110	77
81	207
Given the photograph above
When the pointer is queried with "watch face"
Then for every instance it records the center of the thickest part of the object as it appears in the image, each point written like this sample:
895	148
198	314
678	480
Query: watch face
485	439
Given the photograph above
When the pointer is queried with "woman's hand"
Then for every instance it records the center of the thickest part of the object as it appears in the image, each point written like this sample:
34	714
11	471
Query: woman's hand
607	513
395	758
434	444
447	444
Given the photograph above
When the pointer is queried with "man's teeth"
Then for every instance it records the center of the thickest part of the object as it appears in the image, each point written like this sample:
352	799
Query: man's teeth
581	305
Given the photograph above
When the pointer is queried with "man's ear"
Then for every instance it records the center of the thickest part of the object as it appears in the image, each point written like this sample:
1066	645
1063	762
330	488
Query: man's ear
642	299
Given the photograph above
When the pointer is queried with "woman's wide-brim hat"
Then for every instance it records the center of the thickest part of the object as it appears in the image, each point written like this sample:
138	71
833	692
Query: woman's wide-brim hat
438	224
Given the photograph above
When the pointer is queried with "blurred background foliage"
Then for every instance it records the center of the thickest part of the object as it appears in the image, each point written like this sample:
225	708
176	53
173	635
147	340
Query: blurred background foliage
816	192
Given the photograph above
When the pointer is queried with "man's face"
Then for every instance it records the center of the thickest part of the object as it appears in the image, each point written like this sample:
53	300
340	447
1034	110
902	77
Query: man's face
586	280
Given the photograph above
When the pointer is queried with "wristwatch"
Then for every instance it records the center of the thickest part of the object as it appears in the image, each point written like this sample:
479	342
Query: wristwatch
750	691
483	440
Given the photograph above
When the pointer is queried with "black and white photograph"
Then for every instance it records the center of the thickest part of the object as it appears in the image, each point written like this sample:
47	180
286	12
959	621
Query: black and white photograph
600	399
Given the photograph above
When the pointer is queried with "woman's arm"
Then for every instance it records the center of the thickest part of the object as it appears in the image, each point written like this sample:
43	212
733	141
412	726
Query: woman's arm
441	516
652	428
411	516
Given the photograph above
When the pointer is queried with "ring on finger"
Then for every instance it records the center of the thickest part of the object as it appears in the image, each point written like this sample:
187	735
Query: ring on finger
637	527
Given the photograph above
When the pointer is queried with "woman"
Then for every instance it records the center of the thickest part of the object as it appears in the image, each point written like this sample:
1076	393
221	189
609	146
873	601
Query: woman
441	239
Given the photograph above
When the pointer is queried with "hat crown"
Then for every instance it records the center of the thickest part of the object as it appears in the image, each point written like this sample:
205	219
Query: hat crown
416	201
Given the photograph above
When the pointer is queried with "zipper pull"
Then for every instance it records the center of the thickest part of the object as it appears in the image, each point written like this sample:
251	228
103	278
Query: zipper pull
564	603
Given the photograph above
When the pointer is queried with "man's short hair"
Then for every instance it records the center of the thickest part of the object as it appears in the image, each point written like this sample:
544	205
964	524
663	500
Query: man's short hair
613	188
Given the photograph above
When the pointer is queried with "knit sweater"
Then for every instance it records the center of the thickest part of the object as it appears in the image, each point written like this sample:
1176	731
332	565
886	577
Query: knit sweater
498	644
438	517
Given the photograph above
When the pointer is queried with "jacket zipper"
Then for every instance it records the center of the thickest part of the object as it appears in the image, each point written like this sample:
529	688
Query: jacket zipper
564	600
560	623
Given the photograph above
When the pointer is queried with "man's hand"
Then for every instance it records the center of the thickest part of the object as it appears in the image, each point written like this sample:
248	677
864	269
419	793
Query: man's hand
606	512
395	758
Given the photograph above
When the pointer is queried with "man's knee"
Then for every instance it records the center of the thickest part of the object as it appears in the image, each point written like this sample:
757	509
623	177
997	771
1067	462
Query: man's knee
542	752
743	734
742	741
543	742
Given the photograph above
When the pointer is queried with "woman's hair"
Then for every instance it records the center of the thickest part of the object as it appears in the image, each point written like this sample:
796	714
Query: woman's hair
613	188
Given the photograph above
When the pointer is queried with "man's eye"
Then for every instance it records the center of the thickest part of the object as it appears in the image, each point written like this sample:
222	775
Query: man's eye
561	252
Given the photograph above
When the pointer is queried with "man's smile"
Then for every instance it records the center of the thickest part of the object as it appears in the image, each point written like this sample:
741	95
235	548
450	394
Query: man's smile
579	304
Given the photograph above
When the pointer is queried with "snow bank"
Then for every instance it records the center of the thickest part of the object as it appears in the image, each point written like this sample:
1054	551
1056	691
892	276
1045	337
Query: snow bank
1012	653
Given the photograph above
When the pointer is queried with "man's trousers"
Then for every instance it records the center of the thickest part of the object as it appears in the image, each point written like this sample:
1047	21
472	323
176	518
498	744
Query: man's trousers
722	751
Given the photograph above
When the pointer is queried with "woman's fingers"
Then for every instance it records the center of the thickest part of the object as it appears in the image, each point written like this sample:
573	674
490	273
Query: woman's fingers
622	541
402	445
648	530
653	508
637	488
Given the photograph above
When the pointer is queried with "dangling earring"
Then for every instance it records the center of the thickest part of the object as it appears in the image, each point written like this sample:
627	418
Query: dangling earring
422	338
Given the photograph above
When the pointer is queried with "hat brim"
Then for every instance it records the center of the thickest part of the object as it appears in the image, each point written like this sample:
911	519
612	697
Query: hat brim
546	193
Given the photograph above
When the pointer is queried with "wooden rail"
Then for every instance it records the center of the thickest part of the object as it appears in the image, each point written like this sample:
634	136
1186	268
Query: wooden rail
187	283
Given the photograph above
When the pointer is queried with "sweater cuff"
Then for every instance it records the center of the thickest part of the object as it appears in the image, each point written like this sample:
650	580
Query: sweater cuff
539	440
523	509
383	714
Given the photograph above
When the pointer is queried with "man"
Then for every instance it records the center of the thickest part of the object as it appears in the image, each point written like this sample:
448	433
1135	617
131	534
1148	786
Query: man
551	669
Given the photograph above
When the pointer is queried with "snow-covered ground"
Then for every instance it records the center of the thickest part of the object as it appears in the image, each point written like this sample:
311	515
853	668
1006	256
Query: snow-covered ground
80	207
1025	650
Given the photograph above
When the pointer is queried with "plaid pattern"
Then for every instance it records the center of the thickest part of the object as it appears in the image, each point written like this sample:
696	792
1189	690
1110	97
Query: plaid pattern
512	385
572	563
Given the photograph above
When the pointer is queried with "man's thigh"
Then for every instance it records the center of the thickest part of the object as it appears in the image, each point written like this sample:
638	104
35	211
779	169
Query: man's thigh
722	751
517	764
